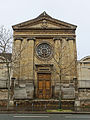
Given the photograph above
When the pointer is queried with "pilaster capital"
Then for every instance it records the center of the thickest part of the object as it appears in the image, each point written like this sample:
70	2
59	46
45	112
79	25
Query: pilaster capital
31	38
70	38
18	38
57	38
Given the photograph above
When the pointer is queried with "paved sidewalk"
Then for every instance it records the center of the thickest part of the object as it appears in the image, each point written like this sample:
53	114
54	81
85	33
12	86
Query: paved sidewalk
44	117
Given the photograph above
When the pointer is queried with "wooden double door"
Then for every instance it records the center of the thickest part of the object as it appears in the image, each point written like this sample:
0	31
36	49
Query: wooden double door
44	85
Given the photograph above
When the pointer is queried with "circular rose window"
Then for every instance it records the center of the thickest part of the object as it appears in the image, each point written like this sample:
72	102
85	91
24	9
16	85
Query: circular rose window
44	50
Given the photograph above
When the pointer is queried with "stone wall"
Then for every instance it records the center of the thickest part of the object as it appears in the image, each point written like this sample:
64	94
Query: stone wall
4	79
61	37
84	80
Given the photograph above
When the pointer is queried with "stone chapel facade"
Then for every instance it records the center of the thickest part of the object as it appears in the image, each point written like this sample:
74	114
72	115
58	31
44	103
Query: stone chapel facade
44	59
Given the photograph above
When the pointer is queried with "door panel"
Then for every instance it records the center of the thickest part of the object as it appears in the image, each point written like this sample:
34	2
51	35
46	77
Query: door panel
40	92
47	84
44	85
40	84
47	89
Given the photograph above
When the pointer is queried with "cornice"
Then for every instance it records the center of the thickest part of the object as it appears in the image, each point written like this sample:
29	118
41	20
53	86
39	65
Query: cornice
30	37
17	29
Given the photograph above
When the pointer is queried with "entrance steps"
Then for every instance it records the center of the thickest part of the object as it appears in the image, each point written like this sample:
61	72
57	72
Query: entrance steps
42	105
37	104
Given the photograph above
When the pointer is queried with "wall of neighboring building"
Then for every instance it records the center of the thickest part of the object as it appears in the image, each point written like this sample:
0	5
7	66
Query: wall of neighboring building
3	80
84	80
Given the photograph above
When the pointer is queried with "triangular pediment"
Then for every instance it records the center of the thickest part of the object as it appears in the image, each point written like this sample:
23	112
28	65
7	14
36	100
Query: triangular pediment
44	21
85	59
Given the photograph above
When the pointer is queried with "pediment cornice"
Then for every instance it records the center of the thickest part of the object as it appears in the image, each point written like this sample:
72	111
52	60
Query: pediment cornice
44	21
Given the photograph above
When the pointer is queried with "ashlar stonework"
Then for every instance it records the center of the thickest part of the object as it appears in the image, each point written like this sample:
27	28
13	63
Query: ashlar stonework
46	63
83	69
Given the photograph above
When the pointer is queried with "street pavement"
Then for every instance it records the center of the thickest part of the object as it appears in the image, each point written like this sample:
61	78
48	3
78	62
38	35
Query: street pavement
44	116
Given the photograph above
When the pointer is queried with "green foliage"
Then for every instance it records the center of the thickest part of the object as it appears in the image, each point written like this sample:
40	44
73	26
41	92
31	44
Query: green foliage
59	110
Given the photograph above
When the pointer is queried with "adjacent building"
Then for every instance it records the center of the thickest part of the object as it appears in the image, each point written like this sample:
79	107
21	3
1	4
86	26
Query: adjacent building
84	81
5	59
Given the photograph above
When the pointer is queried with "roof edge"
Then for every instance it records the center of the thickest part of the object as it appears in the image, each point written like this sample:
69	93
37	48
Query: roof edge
82	59
43	15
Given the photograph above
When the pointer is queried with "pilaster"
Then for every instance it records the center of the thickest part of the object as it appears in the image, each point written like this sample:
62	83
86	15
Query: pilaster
31	58
16	57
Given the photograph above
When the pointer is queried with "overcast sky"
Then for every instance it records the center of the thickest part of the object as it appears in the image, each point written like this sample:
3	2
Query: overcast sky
72	11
